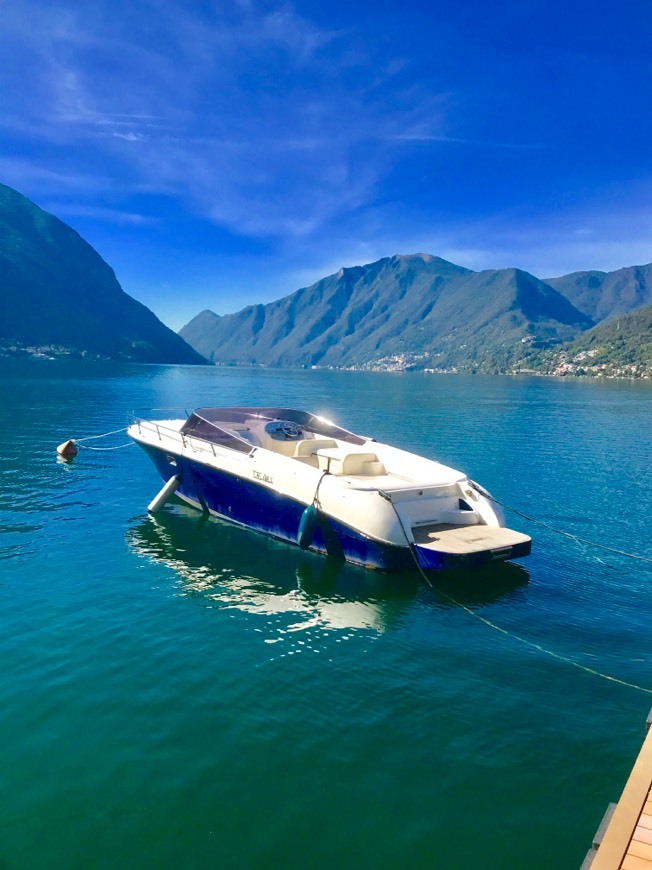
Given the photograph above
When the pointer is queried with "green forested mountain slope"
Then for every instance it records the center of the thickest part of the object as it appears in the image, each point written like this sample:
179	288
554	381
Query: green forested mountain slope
621	347
602	295
56	290
415	310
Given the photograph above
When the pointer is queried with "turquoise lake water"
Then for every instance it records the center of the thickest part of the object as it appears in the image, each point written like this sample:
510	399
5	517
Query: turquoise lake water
179	693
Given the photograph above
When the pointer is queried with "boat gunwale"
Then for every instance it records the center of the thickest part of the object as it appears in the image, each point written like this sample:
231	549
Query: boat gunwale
398	493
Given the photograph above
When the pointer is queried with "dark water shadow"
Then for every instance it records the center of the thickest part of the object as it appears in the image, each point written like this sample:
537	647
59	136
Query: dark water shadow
233	566
481	586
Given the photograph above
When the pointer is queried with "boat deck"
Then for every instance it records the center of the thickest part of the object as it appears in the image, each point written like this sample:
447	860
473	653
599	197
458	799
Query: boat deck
627	840
458	540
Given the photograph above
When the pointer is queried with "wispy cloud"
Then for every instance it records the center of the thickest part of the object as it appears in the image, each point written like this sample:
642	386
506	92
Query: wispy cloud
111	215
601	234
27	174
418	136
283	157
130	136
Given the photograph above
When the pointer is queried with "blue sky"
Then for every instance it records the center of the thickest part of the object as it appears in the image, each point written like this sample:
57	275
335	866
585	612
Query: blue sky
223	153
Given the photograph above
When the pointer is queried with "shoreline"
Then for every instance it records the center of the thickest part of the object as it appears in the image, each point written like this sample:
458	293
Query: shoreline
51	353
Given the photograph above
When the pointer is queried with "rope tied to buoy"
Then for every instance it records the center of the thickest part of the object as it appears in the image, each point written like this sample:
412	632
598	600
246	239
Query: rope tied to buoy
104	449
103	435
69	449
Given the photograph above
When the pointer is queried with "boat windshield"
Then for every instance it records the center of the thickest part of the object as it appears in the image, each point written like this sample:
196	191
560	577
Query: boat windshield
208	430
221	425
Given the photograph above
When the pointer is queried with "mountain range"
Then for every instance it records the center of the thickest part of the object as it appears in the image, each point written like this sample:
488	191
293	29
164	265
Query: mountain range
412	311
58	294
423	312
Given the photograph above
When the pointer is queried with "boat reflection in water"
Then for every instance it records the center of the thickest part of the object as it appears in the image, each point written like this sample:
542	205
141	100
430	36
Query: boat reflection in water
230	567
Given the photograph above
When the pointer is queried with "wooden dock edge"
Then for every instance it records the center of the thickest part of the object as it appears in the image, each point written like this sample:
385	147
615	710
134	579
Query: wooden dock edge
624	838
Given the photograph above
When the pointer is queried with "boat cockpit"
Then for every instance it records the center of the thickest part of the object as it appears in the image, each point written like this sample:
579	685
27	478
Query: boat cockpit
308	438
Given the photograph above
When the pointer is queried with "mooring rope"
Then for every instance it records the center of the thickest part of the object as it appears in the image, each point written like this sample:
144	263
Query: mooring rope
576	538
79	441
538	646
315	501
104	449
506	631
103	435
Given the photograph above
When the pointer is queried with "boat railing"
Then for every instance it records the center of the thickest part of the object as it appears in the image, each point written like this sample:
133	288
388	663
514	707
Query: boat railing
194	442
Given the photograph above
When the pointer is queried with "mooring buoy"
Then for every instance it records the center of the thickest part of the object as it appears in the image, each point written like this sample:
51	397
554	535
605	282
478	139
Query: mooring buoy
68	449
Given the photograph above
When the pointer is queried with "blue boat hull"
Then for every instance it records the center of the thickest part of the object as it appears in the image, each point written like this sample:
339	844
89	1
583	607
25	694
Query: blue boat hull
264	510
433	560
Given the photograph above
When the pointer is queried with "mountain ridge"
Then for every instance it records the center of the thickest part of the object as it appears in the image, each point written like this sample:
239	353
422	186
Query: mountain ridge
602	295
419	305
59	293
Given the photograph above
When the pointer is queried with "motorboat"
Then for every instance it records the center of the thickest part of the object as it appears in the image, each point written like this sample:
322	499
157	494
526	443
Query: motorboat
305	480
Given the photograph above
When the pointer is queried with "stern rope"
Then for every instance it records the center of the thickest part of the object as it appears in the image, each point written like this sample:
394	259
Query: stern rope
506	631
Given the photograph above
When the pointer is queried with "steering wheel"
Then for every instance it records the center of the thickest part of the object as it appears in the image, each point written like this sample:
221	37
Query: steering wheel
290	430
284	430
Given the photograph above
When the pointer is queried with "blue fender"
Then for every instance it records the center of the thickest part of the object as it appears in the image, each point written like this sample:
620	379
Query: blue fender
308	526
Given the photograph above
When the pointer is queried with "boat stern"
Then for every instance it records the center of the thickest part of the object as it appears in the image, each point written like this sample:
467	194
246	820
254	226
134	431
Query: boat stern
440	547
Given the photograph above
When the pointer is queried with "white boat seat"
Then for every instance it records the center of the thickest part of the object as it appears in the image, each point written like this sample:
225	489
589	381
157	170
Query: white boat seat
362	463
276	445
337	461
285	448
373	469
310	445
